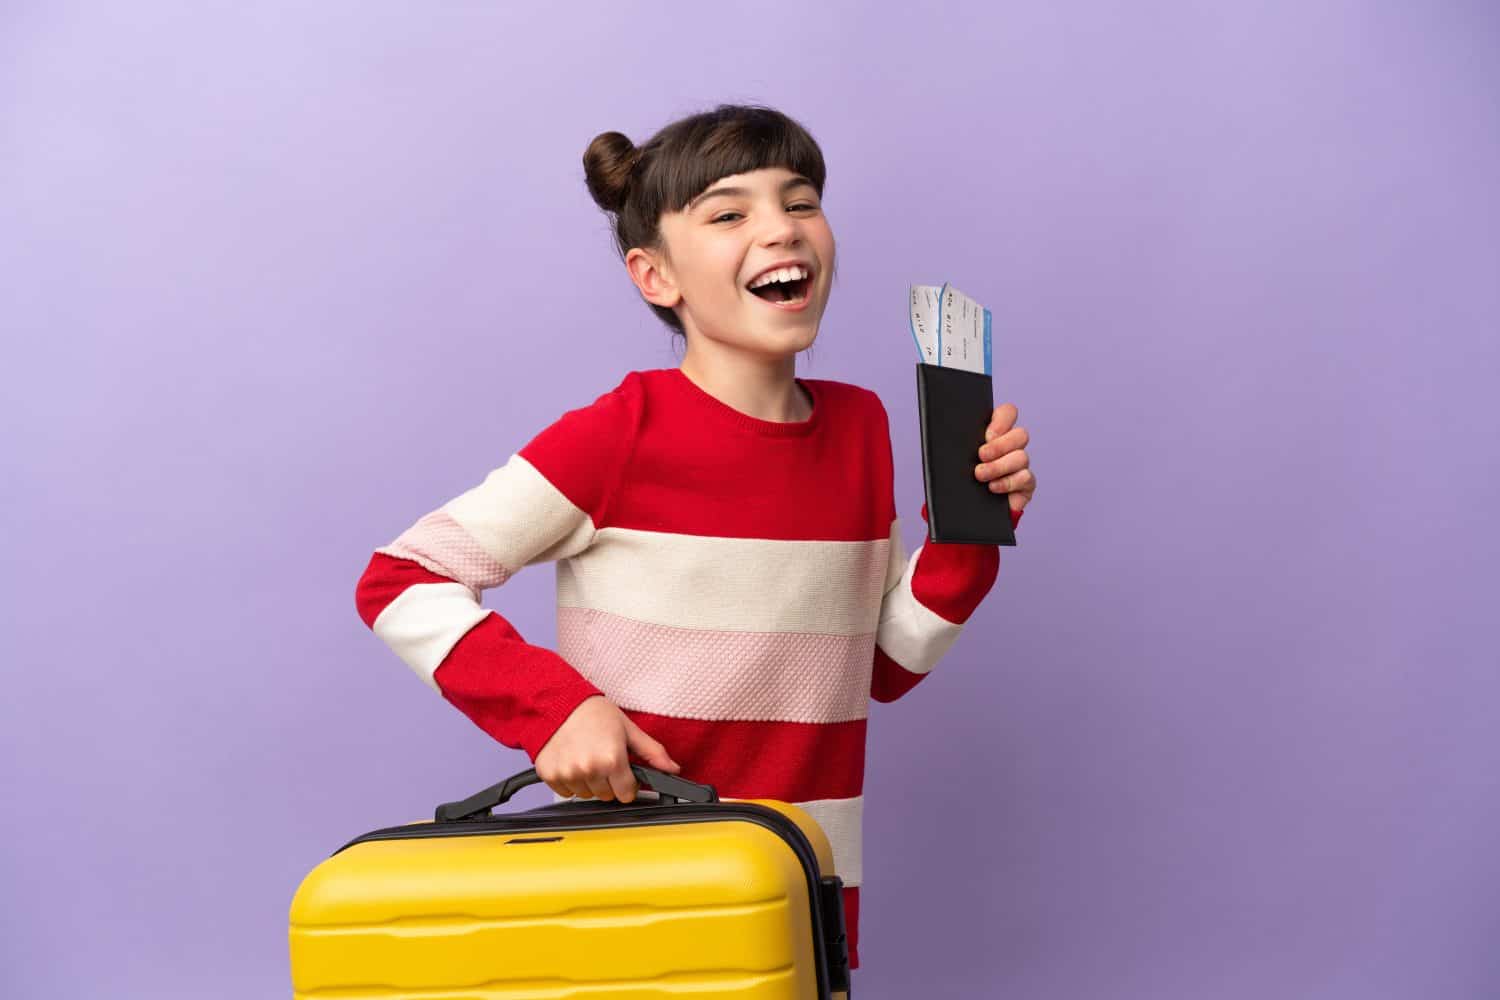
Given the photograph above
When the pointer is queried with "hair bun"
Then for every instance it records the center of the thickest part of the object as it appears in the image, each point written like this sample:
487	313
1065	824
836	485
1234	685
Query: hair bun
607	165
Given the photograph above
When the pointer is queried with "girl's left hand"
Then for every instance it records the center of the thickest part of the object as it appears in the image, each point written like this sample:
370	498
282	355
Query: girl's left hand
1004	463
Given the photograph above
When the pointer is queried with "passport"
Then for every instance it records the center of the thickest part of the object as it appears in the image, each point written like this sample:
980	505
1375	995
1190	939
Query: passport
954	407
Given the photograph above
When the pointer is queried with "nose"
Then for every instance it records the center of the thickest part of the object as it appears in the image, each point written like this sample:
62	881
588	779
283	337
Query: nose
781	228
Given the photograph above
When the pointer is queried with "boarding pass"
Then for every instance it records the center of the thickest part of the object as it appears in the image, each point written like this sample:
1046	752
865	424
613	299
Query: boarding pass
951	330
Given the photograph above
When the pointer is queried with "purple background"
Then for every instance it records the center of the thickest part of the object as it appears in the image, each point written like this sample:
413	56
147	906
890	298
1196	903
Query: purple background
276	280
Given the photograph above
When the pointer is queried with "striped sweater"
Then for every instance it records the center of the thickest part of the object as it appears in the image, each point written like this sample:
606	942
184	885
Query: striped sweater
737	586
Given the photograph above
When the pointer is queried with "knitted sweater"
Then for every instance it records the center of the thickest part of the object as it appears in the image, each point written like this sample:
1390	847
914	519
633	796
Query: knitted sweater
737	586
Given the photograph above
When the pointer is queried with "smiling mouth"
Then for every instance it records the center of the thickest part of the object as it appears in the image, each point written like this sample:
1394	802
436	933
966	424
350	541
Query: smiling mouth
788	292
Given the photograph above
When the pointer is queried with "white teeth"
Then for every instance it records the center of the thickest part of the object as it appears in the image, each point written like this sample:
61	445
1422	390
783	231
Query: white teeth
796	273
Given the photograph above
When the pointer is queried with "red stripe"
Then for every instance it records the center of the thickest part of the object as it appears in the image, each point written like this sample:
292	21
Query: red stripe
790	761
383	581
584	452
518	692
851	923
891	680
684	474
951	578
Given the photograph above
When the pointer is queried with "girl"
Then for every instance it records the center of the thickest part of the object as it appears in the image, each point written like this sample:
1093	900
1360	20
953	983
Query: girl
732	587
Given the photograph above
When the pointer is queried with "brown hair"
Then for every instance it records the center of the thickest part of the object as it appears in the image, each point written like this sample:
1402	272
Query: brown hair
637	184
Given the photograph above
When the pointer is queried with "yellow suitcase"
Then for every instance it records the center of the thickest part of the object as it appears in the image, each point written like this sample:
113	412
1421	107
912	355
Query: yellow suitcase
682	895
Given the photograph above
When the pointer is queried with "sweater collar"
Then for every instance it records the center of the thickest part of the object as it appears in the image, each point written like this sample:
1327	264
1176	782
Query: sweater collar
713	408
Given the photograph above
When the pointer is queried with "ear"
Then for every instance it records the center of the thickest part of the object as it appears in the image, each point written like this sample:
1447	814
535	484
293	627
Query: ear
649	273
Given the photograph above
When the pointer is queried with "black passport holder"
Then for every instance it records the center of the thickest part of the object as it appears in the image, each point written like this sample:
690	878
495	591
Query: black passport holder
954	407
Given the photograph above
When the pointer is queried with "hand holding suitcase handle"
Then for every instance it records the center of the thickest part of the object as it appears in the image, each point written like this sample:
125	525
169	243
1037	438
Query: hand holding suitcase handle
478	805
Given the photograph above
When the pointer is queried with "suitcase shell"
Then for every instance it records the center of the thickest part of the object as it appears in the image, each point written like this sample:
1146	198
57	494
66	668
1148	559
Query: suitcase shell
654	899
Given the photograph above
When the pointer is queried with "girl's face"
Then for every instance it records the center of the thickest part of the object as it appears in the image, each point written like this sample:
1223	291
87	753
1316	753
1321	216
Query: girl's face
729	236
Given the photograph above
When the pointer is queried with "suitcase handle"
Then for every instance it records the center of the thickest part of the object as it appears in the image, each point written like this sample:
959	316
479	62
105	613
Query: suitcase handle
478	805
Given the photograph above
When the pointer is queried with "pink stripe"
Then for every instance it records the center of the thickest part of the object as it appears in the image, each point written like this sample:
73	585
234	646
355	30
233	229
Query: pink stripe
442	545
705	674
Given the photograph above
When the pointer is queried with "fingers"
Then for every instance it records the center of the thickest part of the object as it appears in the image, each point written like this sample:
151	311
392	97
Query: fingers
567	788
1003	462
558	785
600	778
551	778
1021	482
623	784
1007	475
595	763
1012	440
606	779
600	786
1002	420
651	751
1016	461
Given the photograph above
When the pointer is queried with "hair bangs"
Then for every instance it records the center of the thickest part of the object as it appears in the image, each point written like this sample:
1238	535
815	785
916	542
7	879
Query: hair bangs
736	145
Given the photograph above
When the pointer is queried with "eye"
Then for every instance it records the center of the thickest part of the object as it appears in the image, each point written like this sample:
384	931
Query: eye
805	205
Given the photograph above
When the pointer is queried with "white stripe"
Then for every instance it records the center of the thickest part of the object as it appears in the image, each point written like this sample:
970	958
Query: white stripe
911	633
729	584
842	820
520	518
425	622
895	558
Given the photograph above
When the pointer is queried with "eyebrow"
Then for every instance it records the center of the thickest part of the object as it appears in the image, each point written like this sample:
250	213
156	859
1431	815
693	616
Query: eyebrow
786	186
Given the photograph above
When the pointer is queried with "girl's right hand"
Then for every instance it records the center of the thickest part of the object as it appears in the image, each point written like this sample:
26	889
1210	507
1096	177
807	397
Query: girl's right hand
589	755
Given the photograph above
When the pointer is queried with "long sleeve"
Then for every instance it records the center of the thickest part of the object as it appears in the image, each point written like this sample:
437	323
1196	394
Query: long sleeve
928	597
421	593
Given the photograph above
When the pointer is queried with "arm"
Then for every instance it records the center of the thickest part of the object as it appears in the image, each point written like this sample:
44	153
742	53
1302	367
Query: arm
421	593
927	600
